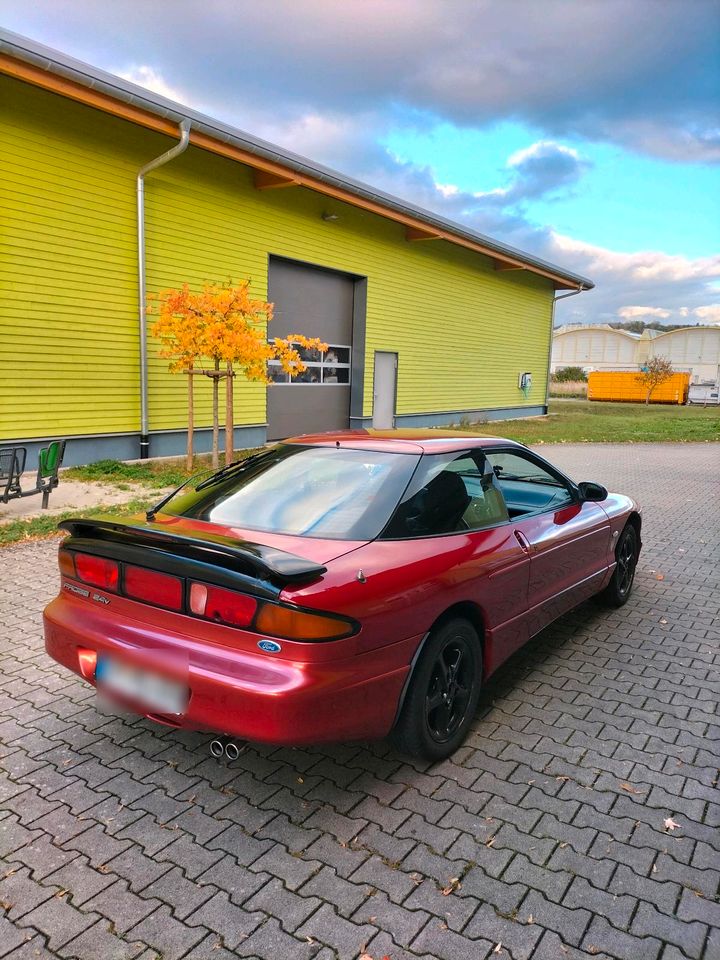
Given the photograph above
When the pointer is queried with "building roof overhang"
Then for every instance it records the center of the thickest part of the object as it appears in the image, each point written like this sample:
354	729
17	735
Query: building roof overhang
274	167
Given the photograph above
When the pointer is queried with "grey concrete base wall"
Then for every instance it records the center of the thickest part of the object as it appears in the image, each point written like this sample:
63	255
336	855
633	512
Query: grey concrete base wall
81	450
450	417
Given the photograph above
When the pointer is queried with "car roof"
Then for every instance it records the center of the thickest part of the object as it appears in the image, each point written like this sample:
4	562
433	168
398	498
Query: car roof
402	441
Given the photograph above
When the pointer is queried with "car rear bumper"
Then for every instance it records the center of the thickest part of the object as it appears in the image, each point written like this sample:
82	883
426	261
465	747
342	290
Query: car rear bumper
257	697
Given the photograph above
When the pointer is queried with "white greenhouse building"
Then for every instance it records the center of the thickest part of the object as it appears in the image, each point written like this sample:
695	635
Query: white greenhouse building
693	350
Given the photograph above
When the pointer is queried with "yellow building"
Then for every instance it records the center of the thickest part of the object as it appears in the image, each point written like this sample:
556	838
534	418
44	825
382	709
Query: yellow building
429	322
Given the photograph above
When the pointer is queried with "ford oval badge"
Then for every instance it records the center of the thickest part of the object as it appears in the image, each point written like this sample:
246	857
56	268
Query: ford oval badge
269	646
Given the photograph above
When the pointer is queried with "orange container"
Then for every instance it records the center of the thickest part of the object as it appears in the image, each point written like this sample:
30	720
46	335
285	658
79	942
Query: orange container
625	387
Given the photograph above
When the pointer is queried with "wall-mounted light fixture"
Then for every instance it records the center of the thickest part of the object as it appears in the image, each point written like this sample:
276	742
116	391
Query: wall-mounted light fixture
330	217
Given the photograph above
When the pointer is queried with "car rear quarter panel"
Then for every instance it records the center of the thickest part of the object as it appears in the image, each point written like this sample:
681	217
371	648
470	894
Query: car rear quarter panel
398	589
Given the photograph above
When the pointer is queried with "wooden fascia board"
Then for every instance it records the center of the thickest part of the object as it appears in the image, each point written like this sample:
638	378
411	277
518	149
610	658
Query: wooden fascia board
264	180
415	233
102	101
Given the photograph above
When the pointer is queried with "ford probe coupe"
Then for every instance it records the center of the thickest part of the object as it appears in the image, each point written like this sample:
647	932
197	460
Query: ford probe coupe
338	586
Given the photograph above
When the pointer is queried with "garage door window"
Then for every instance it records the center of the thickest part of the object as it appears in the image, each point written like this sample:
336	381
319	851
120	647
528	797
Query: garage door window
332	367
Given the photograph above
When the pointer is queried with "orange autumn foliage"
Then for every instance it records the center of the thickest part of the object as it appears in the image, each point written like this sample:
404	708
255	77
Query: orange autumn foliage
222	323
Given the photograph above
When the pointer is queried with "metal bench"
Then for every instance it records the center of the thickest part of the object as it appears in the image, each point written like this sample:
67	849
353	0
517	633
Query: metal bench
12	465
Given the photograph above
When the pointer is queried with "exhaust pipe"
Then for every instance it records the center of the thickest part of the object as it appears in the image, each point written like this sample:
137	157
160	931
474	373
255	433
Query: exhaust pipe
232	750
217	749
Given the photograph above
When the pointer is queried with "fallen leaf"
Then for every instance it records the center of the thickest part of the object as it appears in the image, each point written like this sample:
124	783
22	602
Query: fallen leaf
490	842
670	824
498	948
452	886
628	789
530	919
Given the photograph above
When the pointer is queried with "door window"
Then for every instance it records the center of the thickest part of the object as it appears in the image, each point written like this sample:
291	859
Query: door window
449	493
526	485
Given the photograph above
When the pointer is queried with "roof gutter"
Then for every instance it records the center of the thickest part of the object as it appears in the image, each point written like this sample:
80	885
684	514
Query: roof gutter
160	161
52	70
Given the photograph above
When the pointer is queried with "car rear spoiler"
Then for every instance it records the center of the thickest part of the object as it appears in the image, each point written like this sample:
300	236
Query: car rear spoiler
276	567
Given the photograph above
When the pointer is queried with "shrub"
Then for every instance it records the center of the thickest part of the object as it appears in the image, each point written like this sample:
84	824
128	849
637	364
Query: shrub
569	373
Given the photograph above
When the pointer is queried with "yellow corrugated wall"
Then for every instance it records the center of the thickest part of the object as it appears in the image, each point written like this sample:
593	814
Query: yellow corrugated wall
68	301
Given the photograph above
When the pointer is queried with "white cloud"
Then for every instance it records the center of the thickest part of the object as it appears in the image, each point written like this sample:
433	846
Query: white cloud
152	79
708	314
630	313
645	265
541	149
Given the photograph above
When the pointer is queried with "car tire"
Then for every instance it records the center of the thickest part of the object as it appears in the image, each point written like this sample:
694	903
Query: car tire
443	693
618	591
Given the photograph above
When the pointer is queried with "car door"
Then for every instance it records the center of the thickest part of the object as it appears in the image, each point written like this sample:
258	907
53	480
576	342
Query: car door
453	526
565	539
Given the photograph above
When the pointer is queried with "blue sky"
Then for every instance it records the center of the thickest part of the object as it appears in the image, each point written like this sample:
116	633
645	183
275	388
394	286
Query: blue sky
625	200
584	131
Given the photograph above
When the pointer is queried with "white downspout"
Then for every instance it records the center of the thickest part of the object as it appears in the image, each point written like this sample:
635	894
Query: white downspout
170	154
573	293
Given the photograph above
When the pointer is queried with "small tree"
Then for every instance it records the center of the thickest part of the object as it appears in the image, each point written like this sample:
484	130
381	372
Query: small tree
225	326
656	371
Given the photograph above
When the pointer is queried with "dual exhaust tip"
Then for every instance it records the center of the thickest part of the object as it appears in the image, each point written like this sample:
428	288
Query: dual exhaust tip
226	748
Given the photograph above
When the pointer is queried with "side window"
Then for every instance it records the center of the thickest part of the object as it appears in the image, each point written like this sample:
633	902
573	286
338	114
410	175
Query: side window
527	487
448	493
333	366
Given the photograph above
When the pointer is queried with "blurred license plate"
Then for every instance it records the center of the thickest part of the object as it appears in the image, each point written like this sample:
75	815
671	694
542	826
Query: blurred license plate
151	690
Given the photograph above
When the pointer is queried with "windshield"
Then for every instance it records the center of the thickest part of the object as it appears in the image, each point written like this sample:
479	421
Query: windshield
327	492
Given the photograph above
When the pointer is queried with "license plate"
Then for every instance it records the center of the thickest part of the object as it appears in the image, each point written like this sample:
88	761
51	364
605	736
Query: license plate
150	690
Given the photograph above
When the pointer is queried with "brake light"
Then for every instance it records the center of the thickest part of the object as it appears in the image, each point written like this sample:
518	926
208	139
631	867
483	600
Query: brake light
97	571
290	624
222	606
160	589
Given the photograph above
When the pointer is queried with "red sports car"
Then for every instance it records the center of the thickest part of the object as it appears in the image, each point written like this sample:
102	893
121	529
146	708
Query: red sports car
337	586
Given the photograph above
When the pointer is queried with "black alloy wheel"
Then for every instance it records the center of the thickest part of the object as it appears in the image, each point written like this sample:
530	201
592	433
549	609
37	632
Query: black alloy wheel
451	682
443	693
620	587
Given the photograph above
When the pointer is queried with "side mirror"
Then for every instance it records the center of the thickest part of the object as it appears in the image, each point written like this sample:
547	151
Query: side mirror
592	491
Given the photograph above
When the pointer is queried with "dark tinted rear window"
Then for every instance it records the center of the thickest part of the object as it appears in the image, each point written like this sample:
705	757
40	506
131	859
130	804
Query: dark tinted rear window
329	492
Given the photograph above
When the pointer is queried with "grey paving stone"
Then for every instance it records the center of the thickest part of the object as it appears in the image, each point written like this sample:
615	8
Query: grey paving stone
221	916
120	905
58	921
346	938
601	936
98	942
518	938
600	699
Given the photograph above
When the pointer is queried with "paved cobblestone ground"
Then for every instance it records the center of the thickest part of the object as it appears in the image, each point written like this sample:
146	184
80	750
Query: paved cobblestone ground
544	838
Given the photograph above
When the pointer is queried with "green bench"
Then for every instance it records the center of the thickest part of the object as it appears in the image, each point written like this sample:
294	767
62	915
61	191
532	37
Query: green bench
12	465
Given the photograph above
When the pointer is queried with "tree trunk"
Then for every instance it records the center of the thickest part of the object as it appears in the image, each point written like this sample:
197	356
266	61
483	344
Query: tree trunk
647	396
229	418
191	413
216	425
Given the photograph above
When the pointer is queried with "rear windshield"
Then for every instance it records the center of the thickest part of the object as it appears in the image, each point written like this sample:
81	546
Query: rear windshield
328	492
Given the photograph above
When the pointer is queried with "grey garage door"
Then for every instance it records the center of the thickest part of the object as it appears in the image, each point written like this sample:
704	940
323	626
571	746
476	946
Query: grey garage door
317	303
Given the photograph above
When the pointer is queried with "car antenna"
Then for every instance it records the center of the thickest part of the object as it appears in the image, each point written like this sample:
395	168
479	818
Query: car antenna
150	514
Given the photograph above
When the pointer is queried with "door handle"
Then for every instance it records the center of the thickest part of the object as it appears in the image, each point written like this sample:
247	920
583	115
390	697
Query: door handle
521	539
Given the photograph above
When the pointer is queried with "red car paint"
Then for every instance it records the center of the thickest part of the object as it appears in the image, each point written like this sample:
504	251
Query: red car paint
511	579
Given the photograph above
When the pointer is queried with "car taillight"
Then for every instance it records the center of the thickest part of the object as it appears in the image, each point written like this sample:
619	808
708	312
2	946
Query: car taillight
66	563
222	606
97	571
160	589
289	624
